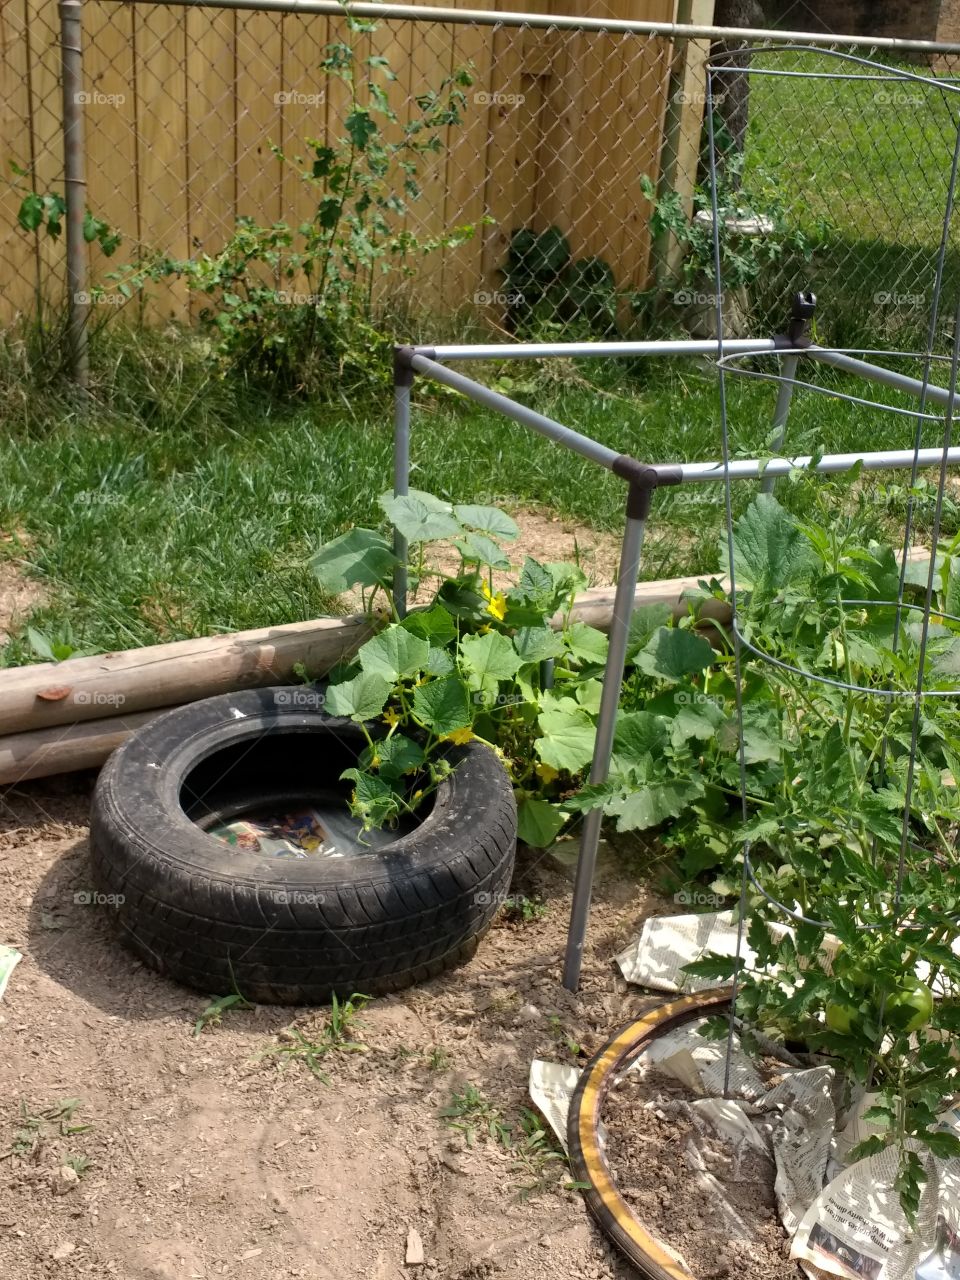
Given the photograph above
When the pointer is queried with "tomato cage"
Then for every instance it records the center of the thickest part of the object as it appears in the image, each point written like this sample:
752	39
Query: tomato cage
791	353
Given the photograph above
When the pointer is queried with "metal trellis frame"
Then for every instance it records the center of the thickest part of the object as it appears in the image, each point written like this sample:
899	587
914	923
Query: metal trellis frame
643	479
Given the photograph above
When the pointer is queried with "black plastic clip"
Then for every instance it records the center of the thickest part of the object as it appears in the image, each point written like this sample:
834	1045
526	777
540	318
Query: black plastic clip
802	311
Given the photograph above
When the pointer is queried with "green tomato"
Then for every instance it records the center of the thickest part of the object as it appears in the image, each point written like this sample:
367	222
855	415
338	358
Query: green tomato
852	971
842	1017
910	1007
859	978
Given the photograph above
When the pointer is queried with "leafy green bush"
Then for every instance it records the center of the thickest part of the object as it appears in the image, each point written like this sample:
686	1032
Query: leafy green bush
303	308
744	255
545	286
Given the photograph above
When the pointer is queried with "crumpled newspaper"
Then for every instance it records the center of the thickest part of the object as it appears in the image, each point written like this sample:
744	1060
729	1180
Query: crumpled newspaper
9	959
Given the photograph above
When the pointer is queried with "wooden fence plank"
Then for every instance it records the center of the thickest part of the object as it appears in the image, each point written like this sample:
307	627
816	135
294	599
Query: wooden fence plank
19	250
161	81
258	113
109	71
211	133
46	113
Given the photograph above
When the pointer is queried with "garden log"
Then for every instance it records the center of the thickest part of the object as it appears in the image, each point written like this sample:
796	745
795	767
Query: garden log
162	675
65	748
82	689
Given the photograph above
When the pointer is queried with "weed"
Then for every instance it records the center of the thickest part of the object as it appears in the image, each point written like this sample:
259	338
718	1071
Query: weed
524	910
536	1154
50	648
334	1037
343	1018
79	1164
36	1129
438	1059
470	1113
533	1150
212	1015
562	1036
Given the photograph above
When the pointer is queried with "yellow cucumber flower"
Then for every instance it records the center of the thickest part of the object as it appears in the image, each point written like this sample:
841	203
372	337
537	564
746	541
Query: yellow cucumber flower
460	737
496	602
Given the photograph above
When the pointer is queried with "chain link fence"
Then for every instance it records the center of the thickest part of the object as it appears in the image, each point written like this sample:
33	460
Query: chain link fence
562	184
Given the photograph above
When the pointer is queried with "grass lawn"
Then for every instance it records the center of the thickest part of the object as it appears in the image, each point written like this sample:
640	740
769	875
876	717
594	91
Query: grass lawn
863	166
143	532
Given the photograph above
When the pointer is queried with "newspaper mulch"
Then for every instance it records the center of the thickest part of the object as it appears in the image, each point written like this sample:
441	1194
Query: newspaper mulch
840	1218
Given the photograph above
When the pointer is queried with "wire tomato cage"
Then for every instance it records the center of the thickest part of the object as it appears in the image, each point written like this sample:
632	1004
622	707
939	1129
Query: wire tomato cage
731	353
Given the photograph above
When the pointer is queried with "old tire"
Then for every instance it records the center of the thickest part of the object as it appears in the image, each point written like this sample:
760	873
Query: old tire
289	931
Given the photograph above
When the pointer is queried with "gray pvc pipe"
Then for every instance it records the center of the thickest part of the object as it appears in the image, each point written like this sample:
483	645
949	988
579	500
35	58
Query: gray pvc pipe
606	724
876	373
401	484
555	431
830	463
586	350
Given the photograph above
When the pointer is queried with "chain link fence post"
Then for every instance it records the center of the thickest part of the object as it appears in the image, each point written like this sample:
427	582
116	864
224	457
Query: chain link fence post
75	194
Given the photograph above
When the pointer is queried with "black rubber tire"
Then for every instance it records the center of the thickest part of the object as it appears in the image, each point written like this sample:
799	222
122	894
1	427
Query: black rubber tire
290	931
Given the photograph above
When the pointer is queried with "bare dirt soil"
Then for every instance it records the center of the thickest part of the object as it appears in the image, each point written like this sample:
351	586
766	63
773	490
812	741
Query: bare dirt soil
547	537
207	1159
18	593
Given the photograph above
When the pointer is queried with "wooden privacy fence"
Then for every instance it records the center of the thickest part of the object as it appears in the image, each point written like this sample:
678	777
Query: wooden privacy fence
182	107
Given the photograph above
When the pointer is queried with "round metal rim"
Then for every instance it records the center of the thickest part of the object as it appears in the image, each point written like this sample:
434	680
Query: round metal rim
730	365
587	1160
843	684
